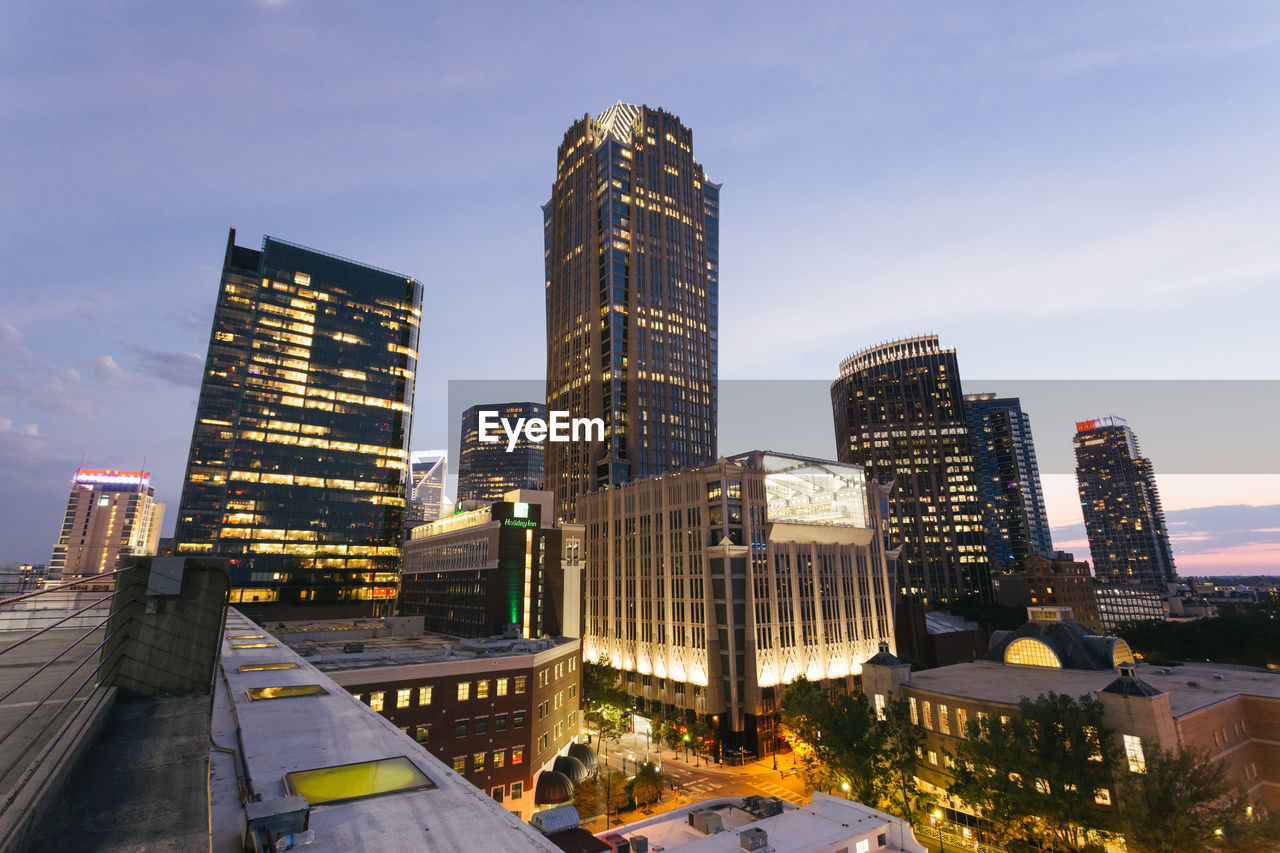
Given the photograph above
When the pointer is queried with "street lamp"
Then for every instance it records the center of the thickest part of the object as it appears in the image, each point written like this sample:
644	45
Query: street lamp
845	787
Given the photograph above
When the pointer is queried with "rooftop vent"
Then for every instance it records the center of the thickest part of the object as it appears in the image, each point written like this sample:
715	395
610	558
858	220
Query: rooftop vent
754	838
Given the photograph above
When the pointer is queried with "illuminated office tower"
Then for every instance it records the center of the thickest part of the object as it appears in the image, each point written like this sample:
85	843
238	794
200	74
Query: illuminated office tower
632	264
487	471
1009	481
899	412
299	458
427	472
109	514
1123	518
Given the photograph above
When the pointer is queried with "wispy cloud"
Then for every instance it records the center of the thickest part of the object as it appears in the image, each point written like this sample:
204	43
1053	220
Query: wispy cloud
182	369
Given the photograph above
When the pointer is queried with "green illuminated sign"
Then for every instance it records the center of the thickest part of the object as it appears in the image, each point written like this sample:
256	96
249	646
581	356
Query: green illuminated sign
520	509
518	522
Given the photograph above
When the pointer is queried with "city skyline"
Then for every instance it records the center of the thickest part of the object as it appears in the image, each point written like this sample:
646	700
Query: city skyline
945	171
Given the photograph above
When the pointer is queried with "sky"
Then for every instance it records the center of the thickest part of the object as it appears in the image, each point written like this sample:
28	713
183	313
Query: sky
1083	192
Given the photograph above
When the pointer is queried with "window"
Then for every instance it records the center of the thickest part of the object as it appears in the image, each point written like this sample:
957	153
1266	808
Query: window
477	761
542	743
881	840
496	793
864	846
500	687
915	712
499	757
573	691
402	697
928	715
464	691
517	720
375	700
962	722
1133	752
517	788
459	728
359	697
500	723
1028	651
482	725
520	682
482	689
944	721
879	706
933	757
424	695
1004	720
542	678
460	764
423	734
517	757
1102	797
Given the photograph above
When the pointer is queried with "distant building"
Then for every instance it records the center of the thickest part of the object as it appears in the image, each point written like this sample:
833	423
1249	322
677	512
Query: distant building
935	637
900	412
502	568
17	578
499	711
1227	711
109	514
1119	603
632	245
1057	579
1128	540
427	472
488	470
713	588
1009	480
299	456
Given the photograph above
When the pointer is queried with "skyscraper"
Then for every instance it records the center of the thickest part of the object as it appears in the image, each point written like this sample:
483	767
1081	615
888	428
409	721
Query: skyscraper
1009	481
899	411
487	471
632	266
1122	515
299	455
427	472
109	514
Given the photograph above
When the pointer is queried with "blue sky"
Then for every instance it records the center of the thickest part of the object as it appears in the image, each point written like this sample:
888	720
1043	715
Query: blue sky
1080	191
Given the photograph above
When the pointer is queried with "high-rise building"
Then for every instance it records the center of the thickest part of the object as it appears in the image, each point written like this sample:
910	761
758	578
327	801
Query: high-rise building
1122	515
899	412
109	514
713	588
503	568
299	458
1009	479
632	267
427	472
488	470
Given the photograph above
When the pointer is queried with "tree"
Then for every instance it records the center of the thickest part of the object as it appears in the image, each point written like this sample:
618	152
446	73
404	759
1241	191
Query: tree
607	703
586	798
648	784
833	738
615	793
895	763
1180	802
1036	777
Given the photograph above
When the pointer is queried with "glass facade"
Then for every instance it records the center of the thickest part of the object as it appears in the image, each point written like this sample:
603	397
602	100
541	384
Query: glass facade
632	276
427	472
1128	540
486	472
1009	478
899	412
299	457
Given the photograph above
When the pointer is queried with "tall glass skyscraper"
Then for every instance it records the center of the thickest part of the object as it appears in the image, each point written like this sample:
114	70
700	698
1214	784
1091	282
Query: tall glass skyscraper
299	457
632	268
1009	479
487	471
899	412
428	470
1128	539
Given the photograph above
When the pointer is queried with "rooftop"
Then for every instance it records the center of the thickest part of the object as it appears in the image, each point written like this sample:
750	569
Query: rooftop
825	822
989	681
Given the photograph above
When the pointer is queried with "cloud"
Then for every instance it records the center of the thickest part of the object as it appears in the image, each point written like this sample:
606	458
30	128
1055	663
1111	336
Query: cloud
107	372
20	442
182	369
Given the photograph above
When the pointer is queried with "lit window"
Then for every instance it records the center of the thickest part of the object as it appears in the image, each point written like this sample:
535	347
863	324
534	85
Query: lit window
879	706
460	763
482	690
962	722
864	846
423	734
915	713
499	757
375	700
517	757
944	721
424	695
1102	797
500	687
933	757
1028	651
1133	752
402	697
928	715
477	761
464	690
520	683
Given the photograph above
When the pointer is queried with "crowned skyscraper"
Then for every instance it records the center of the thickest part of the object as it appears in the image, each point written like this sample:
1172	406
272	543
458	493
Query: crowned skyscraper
632	264
300	453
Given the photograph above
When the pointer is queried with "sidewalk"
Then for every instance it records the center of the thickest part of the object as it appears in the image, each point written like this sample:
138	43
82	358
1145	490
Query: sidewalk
631	744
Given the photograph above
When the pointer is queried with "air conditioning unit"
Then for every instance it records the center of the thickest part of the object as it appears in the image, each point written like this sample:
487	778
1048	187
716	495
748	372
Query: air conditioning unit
617	844
754	838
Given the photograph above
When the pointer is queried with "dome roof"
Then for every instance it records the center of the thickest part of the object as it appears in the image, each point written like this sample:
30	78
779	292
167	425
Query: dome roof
553	788
571	767
586	755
